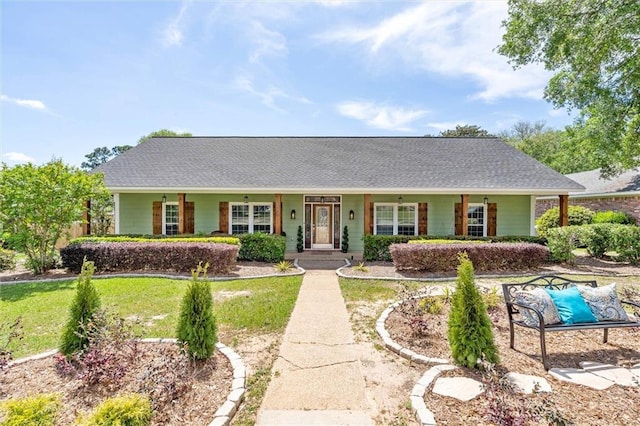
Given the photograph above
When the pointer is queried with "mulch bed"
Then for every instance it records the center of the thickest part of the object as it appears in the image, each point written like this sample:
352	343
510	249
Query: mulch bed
584	406
156	371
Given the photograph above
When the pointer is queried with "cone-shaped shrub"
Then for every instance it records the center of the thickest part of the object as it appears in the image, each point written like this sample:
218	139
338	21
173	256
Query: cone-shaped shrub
86	303
470	334
197	331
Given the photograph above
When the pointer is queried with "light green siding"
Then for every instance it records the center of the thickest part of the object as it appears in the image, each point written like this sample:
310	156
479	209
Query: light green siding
513	213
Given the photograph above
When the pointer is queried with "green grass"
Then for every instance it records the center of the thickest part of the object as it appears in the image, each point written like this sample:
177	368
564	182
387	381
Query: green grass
264	306
354	289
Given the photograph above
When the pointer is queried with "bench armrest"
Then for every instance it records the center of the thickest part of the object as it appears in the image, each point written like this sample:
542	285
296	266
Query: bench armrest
538	313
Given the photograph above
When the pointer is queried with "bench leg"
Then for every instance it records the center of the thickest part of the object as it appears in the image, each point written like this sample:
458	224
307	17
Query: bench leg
511	335
543	349
605	338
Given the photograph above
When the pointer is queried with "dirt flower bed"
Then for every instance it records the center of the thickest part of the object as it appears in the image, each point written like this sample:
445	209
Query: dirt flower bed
581	405
180	393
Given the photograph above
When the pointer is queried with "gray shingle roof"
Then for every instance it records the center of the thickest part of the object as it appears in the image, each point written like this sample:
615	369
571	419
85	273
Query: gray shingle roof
413	164
627	182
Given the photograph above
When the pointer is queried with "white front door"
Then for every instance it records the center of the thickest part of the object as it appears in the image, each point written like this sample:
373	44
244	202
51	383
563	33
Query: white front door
322	227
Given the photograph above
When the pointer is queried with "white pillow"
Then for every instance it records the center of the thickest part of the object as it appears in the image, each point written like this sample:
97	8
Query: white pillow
539	300
603	302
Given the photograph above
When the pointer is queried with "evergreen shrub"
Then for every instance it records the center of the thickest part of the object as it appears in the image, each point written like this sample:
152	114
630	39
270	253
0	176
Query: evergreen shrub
611	216
197	331
40	410
7	259
562	241
345	240
577	215
261	247
127	410
626	242
470	335
85	305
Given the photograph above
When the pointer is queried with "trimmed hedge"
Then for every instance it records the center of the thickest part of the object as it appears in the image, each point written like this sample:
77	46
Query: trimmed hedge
261	247
487	257
376	247
155	239
164	256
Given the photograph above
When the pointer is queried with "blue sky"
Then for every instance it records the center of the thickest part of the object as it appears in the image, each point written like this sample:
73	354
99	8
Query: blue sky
79	75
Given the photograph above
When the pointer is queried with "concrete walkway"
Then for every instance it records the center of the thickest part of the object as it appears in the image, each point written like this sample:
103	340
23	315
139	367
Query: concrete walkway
316	379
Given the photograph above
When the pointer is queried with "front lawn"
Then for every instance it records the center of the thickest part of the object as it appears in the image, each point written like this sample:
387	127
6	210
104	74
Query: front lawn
256	305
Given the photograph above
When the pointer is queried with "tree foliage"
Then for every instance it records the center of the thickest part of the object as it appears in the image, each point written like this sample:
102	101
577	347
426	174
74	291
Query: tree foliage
466	131
197	329
163	133
470	334
38	205
85	305
555	148
593	46
102	155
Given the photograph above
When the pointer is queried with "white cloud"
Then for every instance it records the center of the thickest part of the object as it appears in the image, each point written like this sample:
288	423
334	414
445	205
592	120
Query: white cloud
269	95
268	42
381	116
27	103
455	39
445	125
173	33
18	157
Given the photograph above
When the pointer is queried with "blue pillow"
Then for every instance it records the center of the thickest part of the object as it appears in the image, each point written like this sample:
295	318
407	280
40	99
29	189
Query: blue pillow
571	306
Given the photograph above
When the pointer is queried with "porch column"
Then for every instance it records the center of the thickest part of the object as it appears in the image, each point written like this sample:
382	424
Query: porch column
368	214
278	215
564	210
464	220
86	218
182	217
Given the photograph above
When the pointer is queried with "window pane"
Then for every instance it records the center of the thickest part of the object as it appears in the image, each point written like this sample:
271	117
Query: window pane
406	220
171	219
476	221
262	218
384	220
239	219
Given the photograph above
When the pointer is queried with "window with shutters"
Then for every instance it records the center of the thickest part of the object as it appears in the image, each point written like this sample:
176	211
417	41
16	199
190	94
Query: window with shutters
251	217
170	218
395	219
477	225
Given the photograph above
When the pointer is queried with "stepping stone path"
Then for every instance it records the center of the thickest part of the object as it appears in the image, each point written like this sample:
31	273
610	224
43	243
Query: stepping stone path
618	375
580	377
527	384
461	388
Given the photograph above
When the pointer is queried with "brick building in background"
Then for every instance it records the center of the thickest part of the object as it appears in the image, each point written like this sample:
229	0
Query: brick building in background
621	193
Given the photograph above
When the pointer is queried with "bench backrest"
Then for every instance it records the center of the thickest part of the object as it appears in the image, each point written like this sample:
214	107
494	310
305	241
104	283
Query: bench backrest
552	282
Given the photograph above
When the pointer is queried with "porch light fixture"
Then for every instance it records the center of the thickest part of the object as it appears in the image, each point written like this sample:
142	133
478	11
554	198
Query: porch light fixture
164	199
352	215
293	214
486	201
322	199
400	200
246	199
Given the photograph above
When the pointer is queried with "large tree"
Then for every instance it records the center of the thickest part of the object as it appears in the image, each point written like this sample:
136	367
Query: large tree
555	148
163	133
38	204
593	46
101	155
466	131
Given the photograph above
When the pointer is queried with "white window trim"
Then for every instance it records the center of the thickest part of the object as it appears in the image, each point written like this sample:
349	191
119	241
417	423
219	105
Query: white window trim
251	206
484	217
395	216
164	215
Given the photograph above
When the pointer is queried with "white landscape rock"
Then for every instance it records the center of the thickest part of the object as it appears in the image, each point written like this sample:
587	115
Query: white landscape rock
527	384
618	375
461	388
581	377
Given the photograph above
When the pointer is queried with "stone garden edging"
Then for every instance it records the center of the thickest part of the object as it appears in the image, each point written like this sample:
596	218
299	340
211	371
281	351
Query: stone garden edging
226	411
394	346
